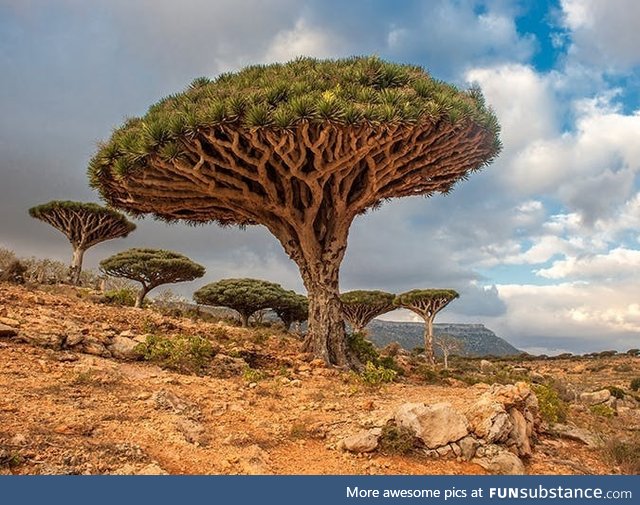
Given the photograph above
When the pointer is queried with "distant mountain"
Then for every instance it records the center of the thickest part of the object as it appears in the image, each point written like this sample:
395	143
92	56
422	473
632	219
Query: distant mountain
477	340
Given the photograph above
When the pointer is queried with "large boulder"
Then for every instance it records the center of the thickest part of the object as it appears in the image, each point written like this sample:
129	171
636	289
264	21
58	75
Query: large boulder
506	415
595	397
435	425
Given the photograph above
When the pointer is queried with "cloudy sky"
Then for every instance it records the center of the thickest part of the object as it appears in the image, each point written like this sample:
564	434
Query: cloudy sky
544	245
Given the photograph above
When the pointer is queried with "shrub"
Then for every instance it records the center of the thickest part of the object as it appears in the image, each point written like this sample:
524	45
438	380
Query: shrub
363	349
396	439
375	375
635	384
633	352
625	454
616	392
252	375
552	408
183	353
623	368
602	410
124	297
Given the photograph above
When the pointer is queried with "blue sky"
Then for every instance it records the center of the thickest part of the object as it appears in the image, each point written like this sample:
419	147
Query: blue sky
543	245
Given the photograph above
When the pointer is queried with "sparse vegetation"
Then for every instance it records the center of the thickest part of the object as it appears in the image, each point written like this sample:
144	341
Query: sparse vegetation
602	410
373	375
253	375
183	353
634	385
396	439
552	408
616	392
624	454
124	297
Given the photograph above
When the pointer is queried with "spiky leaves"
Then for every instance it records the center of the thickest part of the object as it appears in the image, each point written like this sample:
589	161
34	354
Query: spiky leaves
246	296
426	303
301	148
360	307
84	224
151	268
292	308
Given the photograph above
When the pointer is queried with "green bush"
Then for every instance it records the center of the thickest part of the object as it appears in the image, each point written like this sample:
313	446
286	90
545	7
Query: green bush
396	439
375	375
616	392
602	410
552	408
363	349
635	384
183	353
252	375
121	297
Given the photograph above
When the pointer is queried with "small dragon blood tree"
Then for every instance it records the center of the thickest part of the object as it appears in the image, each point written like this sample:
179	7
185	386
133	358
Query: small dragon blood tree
301	148
151	268
426	303
84	224
292	308
245	296
360	307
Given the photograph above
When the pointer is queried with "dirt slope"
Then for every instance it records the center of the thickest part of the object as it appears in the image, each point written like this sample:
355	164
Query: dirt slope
64	412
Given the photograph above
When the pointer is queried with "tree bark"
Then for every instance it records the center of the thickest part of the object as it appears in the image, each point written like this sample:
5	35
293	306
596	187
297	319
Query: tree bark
76	266
140	298
326	338
244	319
428	340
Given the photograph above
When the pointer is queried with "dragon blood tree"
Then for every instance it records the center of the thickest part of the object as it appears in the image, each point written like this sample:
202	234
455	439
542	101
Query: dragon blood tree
84	224
360	307
151	268
292	308
301	148
426	303
245	296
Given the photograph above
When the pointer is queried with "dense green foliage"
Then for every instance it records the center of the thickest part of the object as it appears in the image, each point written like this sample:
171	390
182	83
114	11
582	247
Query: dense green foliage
152	268
419	295
292	308
245	296
362	297
355	90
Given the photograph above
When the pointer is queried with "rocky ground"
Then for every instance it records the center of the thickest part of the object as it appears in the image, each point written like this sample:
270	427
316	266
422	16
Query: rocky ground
75	402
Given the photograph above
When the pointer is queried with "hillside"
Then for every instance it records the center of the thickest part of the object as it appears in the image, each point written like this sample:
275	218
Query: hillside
477	340
75	402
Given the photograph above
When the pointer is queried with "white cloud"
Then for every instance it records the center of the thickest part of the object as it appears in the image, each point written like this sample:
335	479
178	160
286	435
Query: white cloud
619	263
303	40
604	33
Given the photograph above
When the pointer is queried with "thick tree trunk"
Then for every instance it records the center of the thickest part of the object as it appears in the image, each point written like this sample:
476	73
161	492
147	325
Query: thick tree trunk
76	266
244	319
428	340
140	297
326	338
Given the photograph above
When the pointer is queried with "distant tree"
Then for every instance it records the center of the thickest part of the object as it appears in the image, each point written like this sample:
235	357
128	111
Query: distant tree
360	307
292	308
151	268
84	224
245	296
302	148
447	345
426	303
